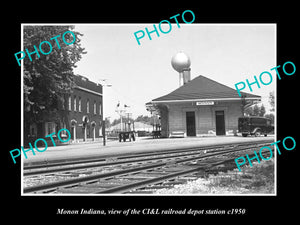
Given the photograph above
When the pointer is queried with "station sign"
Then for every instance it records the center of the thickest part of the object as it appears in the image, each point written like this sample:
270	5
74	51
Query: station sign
205	103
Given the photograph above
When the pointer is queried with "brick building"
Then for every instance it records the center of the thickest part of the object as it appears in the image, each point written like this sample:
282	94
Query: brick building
85	108
81	113
199	107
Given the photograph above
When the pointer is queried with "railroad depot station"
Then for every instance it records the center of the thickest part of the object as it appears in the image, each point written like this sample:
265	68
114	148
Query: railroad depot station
200	106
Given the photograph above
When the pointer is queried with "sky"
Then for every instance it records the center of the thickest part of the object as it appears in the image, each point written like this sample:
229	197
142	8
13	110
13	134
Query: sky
226	53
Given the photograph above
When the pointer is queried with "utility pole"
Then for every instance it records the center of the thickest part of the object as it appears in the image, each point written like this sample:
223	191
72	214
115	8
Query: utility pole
103	84
103	132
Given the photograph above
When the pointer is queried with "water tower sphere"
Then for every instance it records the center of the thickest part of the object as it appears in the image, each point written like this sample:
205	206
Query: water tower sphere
180	61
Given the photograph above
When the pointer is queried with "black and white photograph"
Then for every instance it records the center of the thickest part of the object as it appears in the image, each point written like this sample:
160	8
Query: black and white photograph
106	112
138	113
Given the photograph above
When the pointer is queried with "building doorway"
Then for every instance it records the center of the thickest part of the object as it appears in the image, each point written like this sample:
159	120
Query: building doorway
220	123
190	124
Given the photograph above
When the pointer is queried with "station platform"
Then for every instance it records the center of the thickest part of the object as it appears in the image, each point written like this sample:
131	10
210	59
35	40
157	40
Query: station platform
90	150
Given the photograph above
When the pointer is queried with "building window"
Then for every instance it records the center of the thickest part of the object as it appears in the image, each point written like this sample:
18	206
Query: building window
63	104
69	103
88	106
100	109
74	103
95	110
50	128
33	130
63	133
79	104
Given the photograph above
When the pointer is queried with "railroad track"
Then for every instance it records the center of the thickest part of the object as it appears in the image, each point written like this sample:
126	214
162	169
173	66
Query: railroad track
132	173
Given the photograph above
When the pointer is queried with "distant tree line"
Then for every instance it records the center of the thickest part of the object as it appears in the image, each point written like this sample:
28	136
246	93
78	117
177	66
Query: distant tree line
257	110
140	118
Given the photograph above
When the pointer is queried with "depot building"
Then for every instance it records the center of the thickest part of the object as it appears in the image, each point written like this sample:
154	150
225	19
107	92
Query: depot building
200	107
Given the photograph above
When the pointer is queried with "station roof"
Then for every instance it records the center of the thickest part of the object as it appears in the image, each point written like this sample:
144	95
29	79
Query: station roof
203	88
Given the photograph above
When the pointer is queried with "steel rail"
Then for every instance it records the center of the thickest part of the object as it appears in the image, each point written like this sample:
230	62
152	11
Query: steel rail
135	159
74	162
55	185
126	187
156	180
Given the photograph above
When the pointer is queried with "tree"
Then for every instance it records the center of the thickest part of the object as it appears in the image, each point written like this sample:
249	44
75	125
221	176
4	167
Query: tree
272	101
48	78
143	119
256	110
262	110
107	122
115	121
249	111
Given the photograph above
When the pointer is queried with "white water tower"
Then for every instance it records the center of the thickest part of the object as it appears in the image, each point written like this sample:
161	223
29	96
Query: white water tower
181	63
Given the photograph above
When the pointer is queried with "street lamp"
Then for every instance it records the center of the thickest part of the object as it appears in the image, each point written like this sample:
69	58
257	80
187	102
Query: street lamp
102	82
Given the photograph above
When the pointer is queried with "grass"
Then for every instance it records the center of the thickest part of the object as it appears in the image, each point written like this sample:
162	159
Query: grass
258	179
